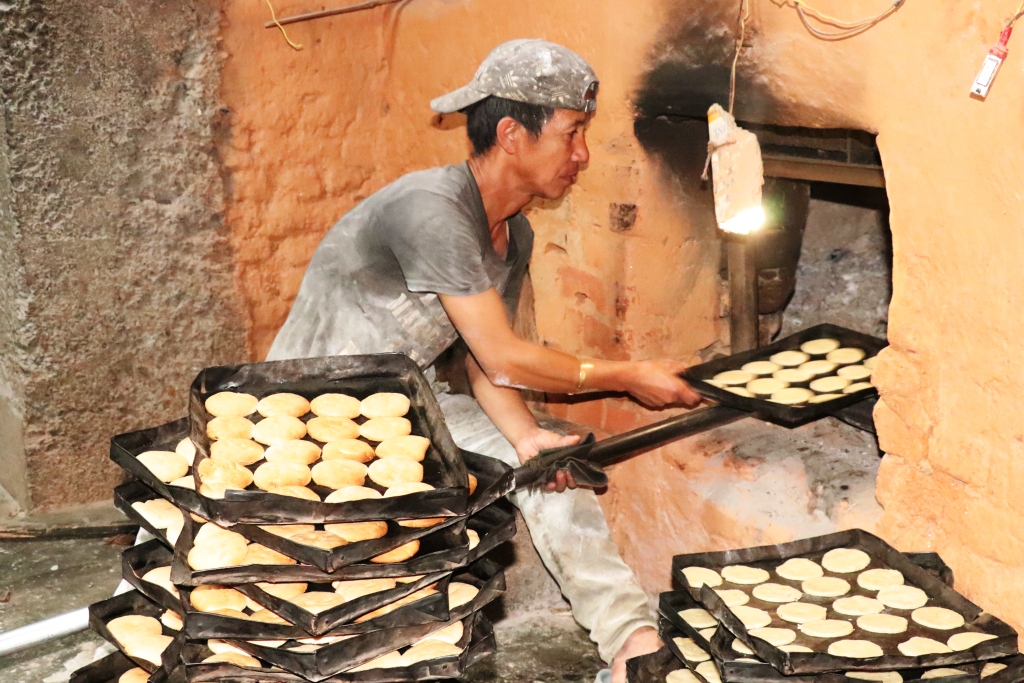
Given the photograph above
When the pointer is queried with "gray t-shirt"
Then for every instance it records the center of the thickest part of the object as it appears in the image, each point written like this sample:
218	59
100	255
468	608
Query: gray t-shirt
373	282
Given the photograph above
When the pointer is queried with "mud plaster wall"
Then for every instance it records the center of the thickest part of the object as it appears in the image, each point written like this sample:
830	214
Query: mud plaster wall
317	130
116	277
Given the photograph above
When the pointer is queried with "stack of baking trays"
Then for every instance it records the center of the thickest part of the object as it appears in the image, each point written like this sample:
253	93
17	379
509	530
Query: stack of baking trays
313	521
833	609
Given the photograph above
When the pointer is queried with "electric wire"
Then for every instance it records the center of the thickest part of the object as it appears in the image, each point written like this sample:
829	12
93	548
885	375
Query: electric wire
273	16
846	29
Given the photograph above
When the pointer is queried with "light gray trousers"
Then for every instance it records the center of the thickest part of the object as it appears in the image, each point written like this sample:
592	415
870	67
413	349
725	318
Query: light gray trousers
571	536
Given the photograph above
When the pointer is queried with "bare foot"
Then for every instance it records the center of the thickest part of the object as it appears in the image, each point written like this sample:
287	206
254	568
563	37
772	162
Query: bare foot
642	641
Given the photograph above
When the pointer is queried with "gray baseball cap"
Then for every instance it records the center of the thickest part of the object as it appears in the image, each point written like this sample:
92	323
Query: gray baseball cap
533	71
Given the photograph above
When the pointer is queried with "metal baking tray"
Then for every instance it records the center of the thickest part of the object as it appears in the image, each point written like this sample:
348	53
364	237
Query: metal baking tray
357	376
775	412
134	492
494	478
668	633
444	550
125	447
138	560
332	659
652	668
132	602
105	670
494	525
1013	673
882	555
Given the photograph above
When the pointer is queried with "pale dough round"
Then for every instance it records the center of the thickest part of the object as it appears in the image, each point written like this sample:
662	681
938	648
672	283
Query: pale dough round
858	649
337	474
845	560
741	647
959	642
826	587
165	465
707	633
351	493
942	673
147	647
384	428
765	386
740	391
132	625
761	367
938	618
790	359
262	555
776	592
793	375
186	482
857	605
819	347
285	591
158	512
135	675
384	405
411	446
348	449
902	597
793	396
229	427
324	540
877	579
751	616
880	676
296	450
234	658
474	538
279	428
824	398
335	405
227	474
795	648
774	636
829	385
287	530
406	488
273	405
845	356
709	671
799	569
744	575
882	623
472	484
801	612
399	554
680	676
734	377
211	533
353	532
352	590
395	470
854	373
702	576
240	451
691	651
265	616
732	597
318	601
327	429
271	475
389	661
161	576
918	646
210	597
295	492
186	449
460	594
991	669
428	650
226	552
859	386
698	618
231	404
449	634
171	620
818	367
827	628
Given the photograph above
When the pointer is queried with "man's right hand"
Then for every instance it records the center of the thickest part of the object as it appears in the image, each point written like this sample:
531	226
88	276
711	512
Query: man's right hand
656	383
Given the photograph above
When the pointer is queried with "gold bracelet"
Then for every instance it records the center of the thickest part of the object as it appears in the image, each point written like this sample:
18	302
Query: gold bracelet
584	369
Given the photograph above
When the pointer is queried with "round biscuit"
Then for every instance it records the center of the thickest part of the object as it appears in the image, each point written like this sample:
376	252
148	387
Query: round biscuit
229	427
942	673
287	530
265	616
857	649
776	592
857	605
335	405
409	446
744	575
774	636
257	554
882	623
709	672
854	373
135	675
399	554
238	659
318	601
877	579
271	430
385	404
271	475
226	552
324	540
460	593
348	449
859	386
295	492
751	617
732	597
819	347
383	428
354	532
337	474
429	650
297	450
186	449
210	597
761	367
240	451
818	368
826	587
352	493
158	512
698	618
406	488
681	676
186	482
161	576
826	628
171	620
902	597
473	482
449	634
880	676
958	642
395	470
799	569
147	647
702	576
829	385
285	591
691	651
389	661
165	465
789	359
938	618
474	538
131	625
845	356
734	377
918	646
211	533
230	404
225	473
801	612
282	404
359	588
328	429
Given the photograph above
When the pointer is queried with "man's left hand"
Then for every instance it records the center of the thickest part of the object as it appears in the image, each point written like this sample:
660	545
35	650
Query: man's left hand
541	439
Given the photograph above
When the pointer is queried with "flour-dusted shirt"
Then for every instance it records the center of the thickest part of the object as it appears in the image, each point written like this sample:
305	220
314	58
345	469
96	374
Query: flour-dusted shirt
373	282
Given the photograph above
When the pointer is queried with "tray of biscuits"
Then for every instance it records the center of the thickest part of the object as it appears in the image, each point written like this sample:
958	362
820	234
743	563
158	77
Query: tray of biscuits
137	626
803	377
849	598
150	510
658	667
339	439
147	567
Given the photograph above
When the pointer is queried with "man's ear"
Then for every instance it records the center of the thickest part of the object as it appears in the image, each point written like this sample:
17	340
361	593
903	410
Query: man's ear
509	134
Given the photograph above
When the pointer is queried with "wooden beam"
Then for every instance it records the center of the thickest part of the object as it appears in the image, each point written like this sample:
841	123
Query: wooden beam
798	168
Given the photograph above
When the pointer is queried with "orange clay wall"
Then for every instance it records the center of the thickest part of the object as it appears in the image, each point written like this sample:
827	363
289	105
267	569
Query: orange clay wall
314	131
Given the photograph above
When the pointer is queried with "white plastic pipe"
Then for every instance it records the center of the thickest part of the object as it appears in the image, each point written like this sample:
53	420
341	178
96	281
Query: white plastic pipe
60	625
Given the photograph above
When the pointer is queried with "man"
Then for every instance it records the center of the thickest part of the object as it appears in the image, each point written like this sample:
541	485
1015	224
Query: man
441	254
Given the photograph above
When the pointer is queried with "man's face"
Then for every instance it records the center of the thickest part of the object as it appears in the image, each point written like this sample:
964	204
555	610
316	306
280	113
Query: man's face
550	162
